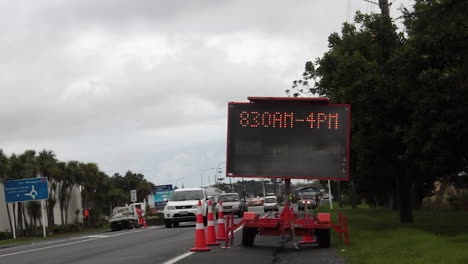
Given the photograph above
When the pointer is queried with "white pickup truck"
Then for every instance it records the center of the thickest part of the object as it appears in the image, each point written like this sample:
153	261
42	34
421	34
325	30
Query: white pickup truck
125	217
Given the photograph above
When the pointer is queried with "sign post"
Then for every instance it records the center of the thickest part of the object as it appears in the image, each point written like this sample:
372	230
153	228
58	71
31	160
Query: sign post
43	218
23	190
133	196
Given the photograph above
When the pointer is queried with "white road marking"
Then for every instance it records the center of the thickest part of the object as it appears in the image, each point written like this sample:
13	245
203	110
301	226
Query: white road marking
174	260
71	243
37	249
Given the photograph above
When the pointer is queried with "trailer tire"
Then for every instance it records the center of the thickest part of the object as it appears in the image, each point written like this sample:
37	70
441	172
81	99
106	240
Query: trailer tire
176	224
248	236
168	223
323	237
240	214
115	227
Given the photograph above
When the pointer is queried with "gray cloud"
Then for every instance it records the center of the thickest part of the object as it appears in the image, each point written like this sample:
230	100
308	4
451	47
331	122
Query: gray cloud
144	85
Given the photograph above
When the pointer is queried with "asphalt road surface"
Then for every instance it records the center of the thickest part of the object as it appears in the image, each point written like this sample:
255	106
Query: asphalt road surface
160	245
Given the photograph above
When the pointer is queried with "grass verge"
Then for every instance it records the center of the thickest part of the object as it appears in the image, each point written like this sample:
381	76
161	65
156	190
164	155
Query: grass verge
21	240
377	237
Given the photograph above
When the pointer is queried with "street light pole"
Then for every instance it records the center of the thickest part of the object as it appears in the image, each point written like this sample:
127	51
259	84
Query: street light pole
218	171
179	179
203	173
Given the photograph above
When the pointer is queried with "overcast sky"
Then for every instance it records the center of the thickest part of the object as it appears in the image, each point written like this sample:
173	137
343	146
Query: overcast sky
144	85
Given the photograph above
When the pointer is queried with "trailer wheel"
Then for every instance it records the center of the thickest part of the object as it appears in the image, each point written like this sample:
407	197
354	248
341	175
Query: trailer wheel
323	237
168	223
248	236
240	214
115	227
176	224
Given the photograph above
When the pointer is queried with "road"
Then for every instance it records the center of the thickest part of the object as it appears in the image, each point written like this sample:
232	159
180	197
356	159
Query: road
159	245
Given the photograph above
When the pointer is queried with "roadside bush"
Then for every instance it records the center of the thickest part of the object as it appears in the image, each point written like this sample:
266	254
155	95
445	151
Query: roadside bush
5	235
458	200
55	229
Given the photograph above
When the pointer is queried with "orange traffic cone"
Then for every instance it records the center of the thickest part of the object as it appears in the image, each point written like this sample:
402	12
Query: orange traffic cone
221	235
307	239
210	230
200	243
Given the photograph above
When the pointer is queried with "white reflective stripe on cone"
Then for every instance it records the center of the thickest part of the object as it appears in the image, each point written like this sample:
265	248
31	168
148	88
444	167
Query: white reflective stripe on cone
199	226
221	221
210	223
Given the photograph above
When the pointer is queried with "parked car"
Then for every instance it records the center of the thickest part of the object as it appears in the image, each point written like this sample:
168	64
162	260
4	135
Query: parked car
270	204
232	204
182	206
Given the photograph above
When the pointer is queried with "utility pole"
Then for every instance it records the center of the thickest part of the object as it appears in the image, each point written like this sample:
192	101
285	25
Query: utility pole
383	5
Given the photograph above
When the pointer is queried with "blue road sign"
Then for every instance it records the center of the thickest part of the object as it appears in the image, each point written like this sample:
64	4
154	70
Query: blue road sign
26	190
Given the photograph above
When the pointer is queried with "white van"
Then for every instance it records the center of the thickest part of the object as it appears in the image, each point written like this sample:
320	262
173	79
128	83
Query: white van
182	206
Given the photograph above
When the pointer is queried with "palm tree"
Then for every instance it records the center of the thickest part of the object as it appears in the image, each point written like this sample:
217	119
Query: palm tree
3	179
144	189
73	174
34	212
47	165
22	167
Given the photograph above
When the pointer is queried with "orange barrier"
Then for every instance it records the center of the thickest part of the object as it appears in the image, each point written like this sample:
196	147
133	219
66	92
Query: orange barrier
342	227
210	230
200	242
221	234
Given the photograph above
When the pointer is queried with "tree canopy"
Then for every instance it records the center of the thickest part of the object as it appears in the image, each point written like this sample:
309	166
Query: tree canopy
408	95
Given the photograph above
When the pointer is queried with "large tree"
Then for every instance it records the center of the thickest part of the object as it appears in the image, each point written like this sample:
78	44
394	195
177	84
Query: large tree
408	95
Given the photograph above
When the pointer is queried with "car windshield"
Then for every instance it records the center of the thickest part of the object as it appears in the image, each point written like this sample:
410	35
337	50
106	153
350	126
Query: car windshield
308	196
229	198
187	195
270	200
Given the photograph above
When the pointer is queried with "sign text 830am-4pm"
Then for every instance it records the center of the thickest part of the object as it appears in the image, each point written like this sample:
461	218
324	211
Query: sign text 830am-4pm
302	141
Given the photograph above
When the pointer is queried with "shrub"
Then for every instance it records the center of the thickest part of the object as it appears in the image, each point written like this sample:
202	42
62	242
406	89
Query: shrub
5	235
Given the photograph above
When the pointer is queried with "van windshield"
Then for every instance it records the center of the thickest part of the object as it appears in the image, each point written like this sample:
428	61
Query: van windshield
186	195
270	200
229	198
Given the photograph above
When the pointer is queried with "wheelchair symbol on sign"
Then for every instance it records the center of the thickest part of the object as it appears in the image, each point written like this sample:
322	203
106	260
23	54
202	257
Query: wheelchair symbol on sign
32	193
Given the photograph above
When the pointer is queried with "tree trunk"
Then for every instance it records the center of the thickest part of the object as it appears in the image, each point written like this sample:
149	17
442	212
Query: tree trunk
396	194
354	200
50	212
20	218
340	198
26	225
67	204
406	207
9	217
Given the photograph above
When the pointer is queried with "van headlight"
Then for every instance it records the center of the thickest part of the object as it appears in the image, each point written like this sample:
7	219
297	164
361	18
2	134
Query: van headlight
169	208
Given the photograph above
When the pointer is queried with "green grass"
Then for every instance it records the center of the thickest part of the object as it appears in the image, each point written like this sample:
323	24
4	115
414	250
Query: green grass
378	237
20	240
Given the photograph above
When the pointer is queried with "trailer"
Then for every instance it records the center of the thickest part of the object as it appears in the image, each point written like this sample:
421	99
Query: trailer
125	217
288	138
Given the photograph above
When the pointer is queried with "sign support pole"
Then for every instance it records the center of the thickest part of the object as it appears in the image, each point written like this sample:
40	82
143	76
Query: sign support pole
329	195
14	220
43	218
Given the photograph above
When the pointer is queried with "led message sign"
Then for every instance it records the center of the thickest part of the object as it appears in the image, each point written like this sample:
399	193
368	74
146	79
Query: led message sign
297	141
